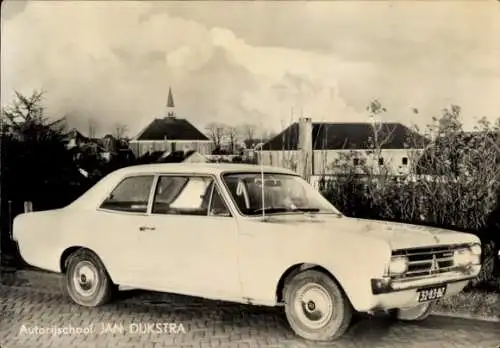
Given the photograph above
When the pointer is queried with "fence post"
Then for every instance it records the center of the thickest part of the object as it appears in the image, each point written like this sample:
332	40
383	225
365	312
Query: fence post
10	219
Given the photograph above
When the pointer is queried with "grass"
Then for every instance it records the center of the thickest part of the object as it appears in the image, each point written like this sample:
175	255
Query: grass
475	303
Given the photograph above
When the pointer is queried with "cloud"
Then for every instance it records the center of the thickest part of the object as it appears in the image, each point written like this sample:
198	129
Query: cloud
114	61
424	54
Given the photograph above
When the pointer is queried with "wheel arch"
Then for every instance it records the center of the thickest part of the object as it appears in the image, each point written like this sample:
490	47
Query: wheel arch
298	268
65	256
70	250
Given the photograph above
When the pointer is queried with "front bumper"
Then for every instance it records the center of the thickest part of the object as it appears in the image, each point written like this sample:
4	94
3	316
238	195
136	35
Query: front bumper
387	285
407	298
390	294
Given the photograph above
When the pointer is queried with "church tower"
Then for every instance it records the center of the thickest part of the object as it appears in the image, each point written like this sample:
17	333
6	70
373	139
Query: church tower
170	104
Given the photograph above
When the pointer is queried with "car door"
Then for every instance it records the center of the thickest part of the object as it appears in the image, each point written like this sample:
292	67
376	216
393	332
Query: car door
115	231
191	239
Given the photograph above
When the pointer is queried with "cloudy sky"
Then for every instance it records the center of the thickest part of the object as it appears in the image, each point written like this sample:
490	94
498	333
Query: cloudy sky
238	62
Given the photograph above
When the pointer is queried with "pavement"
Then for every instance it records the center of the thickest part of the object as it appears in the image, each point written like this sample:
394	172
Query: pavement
35	313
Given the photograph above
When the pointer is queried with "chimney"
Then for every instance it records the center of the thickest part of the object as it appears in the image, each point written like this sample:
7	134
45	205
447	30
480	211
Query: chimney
305	148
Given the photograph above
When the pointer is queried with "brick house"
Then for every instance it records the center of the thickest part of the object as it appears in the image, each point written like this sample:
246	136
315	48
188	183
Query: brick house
170	134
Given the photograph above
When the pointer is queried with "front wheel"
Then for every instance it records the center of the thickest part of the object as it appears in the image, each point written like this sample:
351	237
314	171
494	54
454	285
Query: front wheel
416	313
316	307
86	280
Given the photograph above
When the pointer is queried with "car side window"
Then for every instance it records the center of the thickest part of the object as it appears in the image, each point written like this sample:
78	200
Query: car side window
217	205
184	195
130	195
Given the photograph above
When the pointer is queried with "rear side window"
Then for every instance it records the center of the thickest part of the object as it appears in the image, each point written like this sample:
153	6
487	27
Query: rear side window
130	195
184	195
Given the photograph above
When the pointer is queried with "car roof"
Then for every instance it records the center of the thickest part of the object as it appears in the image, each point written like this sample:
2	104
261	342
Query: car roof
201	168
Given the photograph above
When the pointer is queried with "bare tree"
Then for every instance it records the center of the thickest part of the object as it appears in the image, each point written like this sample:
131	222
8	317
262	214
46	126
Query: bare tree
381	134
248	133
268	135
216	132
28	113
25	109
120	130
252	135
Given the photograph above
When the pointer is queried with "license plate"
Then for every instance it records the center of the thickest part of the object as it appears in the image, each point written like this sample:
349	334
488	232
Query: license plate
431	294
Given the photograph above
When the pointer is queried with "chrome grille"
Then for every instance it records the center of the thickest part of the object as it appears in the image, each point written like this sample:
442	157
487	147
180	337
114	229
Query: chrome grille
424	262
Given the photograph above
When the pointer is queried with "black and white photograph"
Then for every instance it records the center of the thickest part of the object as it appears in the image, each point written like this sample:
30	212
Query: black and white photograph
250	174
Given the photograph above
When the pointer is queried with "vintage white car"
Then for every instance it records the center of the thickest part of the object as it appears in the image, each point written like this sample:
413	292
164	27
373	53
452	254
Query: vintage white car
247	234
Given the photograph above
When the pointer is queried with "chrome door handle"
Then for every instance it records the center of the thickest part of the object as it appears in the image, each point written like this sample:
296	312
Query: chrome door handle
146	228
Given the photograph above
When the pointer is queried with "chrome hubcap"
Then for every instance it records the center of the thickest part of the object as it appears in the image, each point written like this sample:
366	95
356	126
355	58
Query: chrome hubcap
85	278
313	305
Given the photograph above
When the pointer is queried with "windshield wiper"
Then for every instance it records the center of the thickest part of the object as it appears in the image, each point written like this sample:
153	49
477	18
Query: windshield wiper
316	210
307	210
271	210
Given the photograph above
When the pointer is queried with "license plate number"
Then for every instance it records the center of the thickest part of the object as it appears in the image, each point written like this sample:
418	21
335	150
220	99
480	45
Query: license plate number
431	294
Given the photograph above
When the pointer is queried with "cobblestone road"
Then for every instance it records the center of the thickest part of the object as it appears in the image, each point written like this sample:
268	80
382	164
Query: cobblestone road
201	323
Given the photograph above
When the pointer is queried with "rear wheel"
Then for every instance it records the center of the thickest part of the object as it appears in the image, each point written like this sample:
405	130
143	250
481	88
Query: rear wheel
316	307
86	280
416	313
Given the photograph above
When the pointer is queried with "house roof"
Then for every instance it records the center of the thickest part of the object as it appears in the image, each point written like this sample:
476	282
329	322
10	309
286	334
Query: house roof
76	134
348	136
170	128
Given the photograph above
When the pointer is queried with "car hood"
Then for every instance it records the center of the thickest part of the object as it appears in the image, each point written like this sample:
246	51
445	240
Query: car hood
397	235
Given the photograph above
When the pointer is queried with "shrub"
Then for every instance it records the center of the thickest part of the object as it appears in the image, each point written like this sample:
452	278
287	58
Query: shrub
457	186
36	166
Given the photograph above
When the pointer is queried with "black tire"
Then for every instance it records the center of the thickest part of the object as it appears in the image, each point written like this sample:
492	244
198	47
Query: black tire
417	313
85	290
334	323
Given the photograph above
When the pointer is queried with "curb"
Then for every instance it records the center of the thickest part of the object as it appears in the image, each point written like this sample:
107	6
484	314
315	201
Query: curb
490	319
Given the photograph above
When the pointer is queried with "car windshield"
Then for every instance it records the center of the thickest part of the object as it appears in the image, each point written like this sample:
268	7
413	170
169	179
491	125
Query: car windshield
283	193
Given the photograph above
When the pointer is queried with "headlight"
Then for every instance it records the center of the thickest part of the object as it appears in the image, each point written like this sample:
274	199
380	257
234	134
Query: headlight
462	257
476	249
398	265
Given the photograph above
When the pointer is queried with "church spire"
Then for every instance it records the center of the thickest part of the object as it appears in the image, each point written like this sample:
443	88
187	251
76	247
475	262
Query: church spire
170	104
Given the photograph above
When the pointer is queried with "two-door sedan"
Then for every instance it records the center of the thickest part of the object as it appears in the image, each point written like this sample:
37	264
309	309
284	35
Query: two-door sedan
247	234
